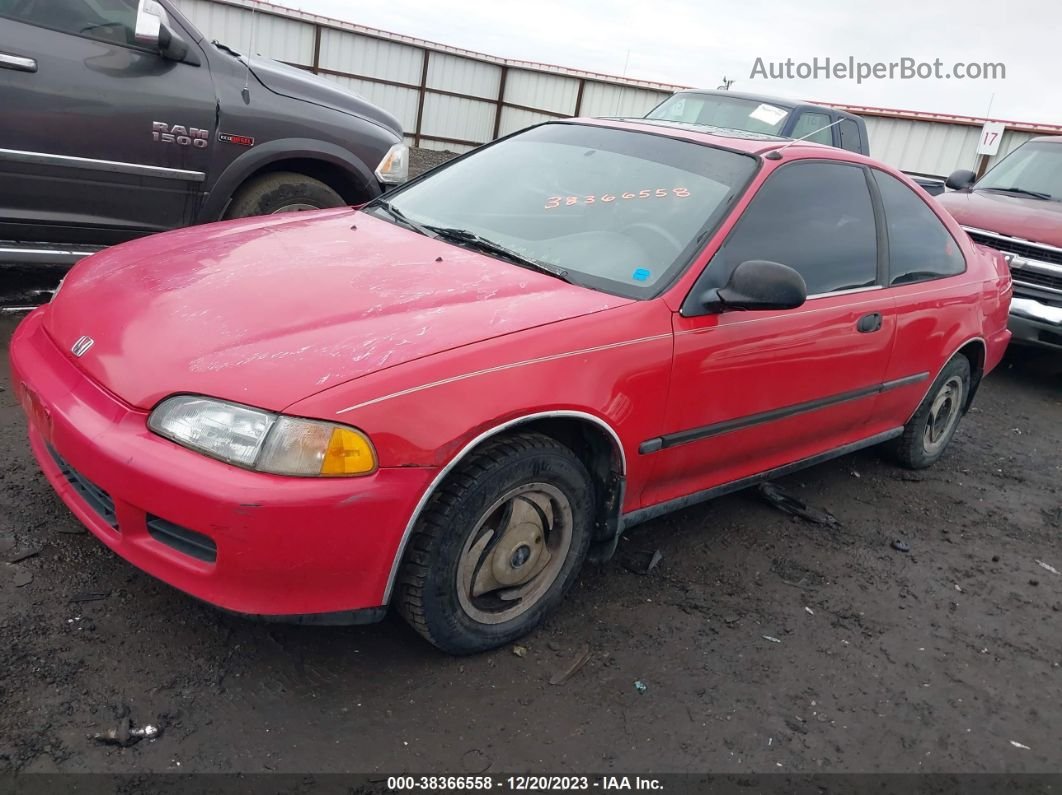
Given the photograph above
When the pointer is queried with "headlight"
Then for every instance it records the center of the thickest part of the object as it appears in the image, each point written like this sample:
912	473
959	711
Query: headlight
263	441
394	168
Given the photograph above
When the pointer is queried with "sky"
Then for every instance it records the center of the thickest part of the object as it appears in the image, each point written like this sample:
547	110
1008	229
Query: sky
697	43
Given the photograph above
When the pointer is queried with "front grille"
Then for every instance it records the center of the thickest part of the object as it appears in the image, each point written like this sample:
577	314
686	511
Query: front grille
194	545
1037	279
1027	276
95	497
1016	247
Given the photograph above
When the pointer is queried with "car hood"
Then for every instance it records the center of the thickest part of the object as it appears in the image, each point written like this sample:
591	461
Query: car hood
1031	219
302	85
268	311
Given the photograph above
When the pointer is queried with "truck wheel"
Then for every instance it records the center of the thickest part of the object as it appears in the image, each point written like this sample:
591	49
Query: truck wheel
927	434
498	545
282	192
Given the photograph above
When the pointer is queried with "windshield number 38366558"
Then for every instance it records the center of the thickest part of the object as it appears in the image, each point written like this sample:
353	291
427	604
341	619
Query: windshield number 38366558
570	201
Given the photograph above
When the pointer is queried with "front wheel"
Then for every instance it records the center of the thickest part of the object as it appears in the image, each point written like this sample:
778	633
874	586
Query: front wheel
498	545
928	432
282	192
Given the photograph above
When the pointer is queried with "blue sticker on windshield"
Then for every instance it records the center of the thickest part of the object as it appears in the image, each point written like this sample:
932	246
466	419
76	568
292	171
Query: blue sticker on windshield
641	274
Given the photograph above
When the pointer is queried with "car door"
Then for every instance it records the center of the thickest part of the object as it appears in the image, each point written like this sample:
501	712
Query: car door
80	144
756	390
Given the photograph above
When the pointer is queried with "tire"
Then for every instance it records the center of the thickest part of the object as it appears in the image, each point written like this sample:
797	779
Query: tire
283	191
499	515
928	433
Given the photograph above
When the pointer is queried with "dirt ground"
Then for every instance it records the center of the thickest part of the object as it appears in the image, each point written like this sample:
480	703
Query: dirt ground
939	659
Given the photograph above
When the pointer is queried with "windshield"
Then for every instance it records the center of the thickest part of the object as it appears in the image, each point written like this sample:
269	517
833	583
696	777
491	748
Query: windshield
617	210
1034	168
714	110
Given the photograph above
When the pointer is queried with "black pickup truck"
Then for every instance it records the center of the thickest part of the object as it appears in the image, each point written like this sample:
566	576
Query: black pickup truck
119	119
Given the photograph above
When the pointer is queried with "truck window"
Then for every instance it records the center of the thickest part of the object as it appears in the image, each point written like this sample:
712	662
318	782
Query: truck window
112	21
850	138
808	123
920	246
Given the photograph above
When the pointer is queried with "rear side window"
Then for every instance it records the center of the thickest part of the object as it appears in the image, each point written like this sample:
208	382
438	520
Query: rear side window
920	246
850	137
810	127
815	217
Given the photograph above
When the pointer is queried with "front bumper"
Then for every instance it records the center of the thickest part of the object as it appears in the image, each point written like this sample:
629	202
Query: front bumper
1036	323
243	541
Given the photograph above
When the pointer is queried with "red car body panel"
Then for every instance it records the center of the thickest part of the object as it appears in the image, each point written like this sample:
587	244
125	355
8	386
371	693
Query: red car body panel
457	349
190	309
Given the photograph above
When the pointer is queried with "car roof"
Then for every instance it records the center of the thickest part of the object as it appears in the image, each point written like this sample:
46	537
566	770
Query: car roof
734	140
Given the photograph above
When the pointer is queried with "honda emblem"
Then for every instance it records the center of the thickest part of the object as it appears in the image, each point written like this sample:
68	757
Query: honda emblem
80	348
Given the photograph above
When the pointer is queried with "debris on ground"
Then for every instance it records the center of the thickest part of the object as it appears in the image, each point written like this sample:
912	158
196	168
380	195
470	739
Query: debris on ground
1047	566
772	640
23	577
809	611
18	557
642	563
126	735
1019	745
791	505
580	660
641	686
901	546
475	761
89	596
520	651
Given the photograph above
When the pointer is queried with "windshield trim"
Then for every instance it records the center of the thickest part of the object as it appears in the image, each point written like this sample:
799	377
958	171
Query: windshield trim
682	263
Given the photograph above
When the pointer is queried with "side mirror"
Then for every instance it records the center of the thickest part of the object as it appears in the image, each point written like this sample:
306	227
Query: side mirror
759	284
961	179
151	31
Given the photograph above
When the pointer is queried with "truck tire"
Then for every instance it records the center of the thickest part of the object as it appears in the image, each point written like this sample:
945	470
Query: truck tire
928	433
282	192
498	545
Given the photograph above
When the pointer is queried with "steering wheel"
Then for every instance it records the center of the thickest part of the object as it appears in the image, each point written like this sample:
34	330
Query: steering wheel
662	233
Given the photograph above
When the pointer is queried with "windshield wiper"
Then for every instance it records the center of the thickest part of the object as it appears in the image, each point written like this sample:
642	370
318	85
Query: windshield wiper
400	216
1023	192
467	237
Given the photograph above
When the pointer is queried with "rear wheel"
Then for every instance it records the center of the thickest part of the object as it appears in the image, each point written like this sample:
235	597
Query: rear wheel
498	545
282	192
930	430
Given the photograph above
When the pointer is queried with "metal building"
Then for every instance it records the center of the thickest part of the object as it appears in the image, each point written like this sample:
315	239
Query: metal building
455	99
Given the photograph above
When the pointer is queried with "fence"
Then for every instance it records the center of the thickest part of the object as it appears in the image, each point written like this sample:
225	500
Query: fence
445	97
450	98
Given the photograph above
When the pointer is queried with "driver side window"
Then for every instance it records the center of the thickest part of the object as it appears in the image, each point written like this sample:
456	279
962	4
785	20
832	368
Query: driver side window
111	21
815	217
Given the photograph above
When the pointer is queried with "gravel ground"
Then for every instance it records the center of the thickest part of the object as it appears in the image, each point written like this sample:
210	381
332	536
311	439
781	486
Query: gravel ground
763	642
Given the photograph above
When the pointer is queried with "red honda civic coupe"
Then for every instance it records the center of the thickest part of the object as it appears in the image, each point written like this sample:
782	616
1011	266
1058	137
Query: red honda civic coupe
449	398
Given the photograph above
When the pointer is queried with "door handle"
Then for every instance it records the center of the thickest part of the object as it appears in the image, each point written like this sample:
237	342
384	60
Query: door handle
17	62
869	323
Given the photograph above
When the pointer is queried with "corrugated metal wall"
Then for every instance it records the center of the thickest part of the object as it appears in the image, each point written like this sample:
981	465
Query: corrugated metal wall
444	97
932	147
447	98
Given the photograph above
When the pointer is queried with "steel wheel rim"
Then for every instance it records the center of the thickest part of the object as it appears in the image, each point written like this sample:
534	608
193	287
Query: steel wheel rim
515	553
295	207
943	415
